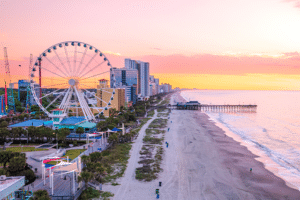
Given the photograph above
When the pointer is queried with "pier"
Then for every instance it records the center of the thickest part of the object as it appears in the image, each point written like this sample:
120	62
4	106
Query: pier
195	105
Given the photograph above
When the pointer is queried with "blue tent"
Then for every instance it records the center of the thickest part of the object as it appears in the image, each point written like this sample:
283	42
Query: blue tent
115	129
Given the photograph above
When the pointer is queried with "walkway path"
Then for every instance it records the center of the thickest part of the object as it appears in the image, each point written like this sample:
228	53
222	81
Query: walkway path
128	183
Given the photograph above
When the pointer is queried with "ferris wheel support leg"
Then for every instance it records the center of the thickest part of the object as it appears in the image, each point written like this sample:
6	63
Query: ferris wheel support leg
64	99
81	103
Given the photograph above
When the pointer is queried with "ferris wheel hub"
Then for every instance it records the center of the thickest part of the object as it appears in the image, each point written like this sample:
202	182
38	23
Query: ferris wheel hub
72	82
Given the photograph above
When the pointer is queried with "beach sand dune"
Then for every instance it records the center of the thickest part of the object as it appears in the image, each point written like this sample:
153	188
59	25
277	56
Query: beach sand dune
201	162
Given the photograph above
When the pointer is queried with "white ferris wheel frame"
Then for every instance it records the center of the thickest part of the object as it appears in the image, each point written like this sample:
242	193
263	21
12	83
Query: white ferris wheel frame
72	90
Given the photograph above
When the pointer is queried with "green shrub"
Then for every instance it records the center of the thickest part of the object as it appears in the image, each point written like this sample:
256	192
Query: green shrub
89	193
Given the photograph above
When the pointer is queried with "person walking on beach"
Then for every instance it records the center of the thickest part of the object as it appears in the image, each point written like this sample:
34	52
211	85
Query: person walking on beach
167	145
168	129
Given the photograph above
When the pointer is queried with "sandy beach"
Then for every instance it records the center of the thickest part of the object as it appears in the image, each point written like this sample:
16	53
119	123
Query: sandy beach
201	162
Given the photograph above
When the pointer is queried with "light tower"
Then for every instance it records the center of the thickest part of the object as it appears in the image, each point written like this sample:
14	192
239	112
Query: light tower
28	96
10	101
40	79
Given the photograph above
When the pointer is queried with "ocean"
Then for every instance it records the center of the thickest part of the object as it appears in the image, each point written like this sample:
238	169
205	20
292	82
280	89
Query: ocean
272	133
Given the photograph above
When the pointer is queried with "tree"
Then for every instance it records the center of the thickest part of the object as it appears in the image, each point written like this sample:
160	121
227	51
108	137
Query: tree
14	118
111	126
4	172
113	138
85	177
21	117
112	112
89	193
35	108
80	130
32	132
102	126
16	164
5	157
4	124
4	133
63	133
40	195
14	133
26	115
8	119
85	159
96	157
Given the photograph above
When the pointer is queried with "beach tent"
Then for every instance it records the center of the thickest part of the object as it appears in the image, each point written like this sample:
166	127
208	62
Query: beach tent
116	130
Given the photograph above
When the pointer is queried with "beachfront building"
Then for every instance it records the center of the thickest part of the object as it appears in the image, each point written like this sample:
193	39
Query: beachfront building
123	76
72	123
130	64
143	76
165	87
125	79
104	93
9	185
153	87
143	79
156	81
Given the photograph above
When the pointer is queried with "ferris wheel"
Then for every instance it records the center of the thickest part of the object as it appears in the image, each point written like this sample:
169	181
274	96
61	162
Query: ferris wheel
66	77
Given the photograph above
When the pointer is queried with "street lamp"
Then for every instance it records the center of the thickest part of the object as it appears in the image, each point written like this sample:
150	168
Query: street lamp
56	142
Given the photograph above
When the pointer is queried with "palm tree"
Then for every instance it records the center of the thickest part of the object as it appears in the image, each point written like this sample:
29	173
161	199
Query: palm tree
40	195
21	131
80	130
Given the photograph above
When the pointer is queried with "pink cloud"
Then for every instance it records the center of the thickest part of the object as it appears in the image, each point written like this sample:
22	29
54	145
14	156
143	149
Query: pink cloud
291	53
218	64
296	2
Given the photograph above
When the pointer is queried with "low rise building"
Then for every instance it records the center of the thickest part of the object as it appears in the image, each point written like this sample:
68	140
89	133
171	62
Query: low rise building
9	185
104	96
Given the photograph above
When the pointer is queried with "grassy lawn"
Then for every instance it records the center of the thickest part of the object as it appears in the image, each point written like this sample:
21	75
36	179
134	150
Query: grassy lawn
27	144
71	153
24	149
74	153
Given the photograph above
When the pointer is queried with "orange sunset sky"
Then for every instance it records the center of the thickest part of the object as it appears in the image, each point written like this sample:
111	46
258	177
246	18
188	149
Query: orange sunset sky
215	44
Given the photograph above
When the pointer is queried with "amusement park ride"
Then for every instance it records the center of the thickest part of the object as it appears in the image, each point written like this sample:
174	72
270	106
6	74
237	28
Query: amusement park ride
9	97
74	68
28	89
70	82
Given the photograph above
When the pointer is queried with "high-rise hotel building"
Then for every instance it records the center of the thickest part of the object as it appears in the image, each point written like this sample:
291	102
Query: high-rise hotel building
143	75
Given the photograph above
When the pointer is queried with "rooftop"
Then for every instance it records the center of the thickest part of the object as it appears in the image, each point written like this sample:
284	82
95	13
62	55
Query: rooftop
87	124
72	120
14	181
32	122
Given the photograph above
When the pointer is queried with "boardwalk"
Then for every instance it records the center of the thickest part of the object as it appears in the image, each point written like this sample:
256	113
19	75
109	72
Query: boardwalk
214	108
228	108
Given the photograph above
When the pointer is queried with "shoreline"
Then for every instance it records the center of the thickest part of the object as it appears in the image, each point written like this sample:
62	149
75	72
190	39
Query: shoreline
260	156
238	160
201	162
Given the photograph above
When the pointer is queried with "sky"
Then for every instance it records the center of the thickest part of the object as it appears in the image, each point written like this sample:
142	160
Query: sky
216	44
